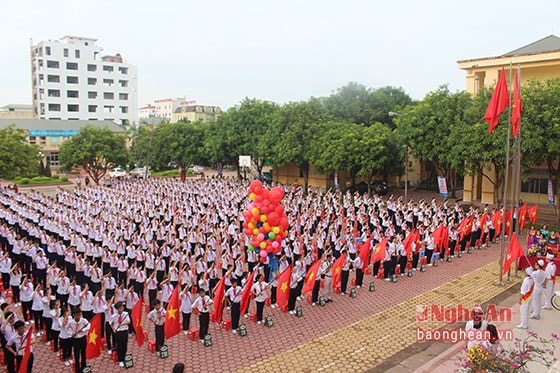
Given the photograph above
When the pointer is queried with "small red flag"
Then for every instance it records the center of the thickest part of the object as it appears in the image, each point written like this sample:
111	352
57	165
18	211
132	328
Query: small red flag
508	223
172	325
27	352
522	217
514	252
283	288
93	346
246	296
498	103
219	299
533	214
136	317
310	277
438	237
483	224
517	107
497	221
407	243
465	227
337	270
365	252
380	250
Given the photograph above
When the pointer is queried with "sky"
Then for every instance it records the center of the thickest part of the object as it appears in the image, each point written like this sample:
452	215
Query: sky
219	52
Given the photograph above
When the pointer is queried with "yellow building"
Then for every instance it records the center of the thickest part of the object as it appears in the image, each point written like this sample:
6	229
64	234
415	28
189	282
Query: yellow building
541	60
193	113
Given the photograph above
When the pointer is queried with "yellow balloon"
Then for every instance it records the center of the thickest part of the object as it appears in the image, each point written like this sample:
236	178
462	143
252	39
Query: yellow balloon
276	230
256	231
263	245
252	196
251	226
263	218
255	211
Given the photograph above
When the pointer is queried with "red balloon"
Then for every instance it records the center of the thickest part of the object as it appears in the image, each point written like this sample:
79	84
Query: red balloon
249	232
263	259
256	185
279	190
264	209
279	210
273	218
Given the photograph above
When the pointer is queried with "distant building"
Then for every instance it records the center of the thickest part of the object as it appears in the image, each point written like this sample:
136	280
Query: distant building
145	112
16	111
541	60
49	135
193	113
72	80
163	109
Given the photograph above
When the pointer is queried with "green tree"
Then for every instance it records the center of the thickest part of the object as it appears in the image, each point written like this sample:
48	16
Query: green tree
178	142
291	135
16	156
96	150
429	128
540	129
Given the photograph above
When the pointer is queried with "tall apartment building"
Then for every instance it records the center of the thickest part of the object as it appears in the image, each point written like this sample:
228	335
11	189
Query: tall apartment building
73	80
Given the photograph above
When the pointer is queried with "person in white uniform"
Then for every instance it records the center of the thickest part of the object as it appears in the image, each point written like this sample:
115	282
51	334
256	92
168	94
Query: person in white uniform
550	281
539	276
527	288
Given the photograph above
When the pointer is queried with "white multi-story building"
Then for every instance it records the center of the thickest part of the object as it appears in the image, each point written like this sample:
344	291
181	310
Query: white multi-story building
72	80
163	109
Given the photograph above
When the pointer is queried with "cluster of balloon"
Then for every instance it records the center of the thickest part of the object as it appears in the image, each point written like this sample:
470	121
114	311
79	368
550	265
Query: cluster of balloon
265	222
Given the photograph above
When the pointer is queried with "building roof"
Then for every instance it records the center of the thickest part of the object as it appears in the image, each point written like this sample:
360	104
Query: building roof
185	109
550	43
55	124
17	107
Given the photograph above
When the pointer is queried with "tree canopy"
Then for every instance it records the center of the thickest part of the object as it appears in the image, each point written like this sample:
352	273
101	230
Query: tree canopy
16	156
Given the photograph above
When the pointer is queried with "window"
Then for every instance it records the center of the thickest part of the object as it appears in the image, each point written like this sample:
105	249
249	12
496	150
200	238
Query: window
72	94
91	67
123	96
108	82
124	109
77	53
65	52
48	51
108	69
533	185
54	107
73	107
92	108
92	94
199	109
96	56
123	70
71	66
53	78
52	64
108	109
52	159
92	81
123	83
53	93
72	79
208	109
108	95
32	140
43	140
41	79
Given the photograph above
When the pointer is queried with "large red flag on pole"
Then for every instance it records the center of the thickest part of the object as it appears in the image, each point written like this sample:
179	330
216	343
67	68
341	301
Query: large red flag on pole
246	296
407	242
136	317
93	346
283	288
310	277
219	292
26	352
514	252
498	103
522	217
172	325
517	107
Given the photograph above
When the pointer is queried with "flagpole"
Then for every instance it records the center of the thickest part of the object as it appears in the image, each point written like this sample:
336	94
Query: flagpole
518	167
502	238
513	165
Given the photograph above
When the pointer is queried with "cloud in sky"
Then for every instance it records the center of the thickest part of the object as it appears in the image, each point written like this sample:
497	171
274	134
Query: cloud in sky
219	52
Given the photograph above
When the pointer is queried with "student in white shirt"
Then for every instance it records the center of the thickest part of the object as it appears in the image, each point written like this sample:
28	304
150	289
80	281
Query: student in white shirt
65	336
186	307
17	344
260	291
157	316
119	323
79	328
201	306
233	298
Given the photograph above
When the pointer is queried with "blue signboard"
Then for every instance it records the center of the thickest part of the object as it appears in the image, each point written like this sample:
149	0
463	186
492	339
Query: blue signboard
52	133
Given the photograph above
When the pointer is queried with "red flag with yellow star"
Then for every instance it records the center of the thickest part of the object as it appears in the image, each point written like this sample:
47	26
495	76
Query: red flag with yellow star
509	224
497	221
136	317
172	325
522	217
483	224
337	270
514	252
93	346
310	277
380	250
246	295
283	288
533	213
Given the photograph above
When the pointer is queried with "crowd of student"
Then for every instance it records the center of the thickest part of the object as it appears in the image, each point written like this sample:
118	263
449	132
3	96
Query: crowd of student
99	250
